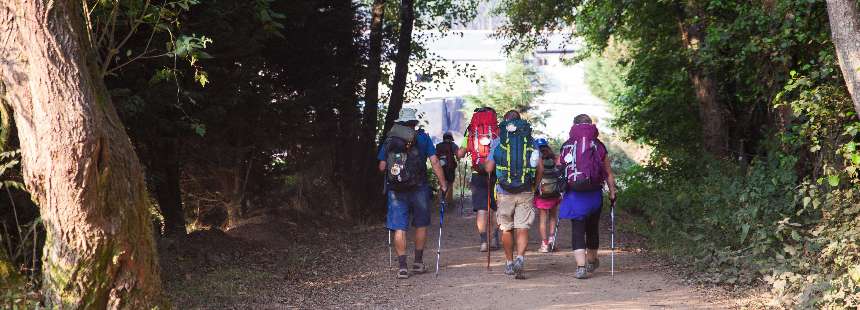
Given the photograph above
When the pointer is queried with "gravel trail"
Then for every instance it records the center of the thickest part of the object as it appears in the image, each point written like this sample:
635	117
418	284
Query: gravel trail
284	267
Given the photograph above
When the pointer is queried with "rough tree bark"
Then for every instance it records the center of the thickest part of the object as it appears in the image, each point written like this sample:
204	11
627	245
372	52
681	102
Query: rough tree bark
374	73
714	132
401	69
845	29
78	162
167	190
371	102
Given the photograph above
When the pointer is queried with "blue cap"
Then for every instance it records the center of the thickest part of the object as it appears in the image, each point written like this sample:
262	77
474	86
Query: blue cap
540	142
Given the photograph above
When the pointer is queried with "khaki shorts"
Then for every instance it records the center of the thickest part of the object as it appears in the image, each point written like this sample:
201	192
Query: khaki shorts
515	210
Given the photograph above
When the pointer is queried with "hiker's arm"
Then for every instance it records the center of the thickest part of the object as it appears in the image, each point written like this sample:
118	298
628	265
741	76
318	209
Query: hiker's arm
489	165
539	173
610	177
380	156
440	175
461	151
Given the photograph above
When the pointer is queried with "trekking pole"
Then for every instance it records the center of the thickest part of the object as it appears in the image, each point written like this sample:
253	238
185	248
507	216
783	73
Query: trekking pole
612	235
389	249
555	232
489	195
462	192
442	206
384	192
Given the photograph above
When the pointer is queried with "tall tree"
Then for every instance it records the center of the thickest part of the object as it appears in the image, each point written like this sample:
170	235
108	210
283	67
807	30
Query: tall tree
371	97
78	162
374	70
692	31
845	29
401	69
167	189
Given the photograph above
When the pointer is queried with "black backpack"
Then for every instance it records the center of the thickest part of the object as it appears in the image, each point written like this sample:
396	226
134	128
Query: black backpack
404	162
447	159
551	185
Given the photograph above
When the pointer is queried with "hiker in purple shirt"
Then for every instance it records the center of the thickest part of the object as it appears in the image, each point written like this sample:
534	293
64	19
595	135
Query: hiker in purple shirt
586	166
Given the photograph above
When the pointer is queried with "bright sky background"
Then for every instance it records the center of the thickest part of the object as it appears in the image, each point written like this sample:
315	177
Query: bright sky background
566	92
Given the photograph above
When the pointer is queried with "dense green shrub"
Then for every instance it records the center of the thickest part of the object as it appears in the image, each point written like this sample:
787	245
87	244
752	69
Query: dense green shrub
789	219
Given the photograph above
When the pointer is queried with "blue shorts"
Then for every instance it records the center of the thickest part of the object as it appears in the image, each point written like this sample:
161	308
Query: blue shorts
480	189
580	205
403	204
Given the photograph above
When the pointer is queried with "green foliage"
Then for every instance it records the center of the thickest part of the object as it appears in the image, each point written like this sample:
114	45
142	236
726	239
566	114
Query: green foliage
518	89
604	75
9	165
798	235
783	213
433	20
114	26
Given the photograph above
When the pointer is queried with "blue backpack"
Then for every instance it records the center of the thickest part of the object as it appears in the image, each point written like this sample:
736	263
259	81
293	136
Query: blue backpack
512	156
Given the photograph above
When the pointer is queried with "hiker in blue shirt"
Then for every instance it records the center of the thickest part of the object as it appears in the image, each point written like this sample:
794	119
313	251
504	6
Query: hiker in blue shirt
515	195
403	157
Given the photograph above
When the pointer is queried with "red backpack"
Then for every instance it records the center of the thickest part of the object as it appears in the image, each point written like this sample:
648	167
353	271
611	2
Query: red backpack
482	130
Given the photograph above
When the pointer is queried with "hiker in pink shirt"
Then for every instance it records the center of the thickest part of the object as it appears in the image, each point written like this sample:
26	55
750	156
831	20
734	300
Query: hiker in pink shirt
547	197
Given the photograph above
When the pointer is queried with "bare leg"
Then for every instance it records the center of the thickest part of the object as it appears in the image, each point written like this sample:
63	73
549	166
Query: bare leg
420	238
542	224
400	242
508	244
553	218
481	221
591	255
522	241
579	255
494	226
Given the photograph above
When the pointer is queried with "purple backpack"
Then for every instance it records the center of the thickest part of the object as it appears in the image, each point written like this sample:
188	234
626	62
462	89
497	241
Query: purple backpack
582	159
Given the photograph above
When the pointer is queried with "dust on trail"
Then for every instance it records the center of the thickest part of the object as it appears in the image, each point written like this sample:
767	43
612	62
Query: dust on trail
348	269
465	283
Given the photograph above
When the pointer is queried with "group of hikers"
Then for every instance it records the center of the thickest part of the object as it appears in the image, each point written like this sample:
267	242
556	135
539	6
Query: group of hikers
513	177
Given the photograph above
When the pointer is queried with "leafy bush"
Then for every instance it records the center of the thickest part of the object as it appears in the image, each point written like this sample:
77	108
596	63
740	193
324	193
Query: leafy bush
789	219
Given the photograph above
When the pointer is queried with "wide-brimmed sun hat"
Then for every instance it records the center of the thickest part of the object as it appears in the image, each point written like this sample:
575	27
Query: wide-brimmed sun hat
407	114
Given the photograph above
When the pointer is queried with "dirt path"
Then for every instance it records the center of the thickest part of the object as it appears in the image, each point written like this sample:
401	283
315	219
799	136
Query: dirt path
283	268
464	281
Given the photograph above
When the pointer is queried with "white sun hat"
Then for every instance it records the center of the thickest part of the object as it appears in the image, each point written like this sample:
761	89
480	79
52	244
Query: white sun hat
407	114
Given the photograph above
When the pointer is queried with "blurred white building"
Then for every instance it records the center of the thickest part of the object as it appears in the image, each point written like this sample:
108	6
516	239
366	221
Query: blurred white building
566	94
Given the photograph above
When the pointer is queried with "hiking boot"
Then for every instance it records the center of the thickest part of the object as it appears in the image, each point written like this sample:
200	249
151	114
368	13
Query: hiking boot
509	269
403	274
581	272
483	246
419	268
592	266
544	247
518	267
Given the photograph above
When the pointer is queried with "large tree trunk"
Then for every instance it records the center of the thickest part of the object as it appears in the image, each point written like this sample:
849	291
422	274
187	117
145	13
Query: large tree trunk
374	73
714	132
167	189
845	28
401	69
78	162
371	102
